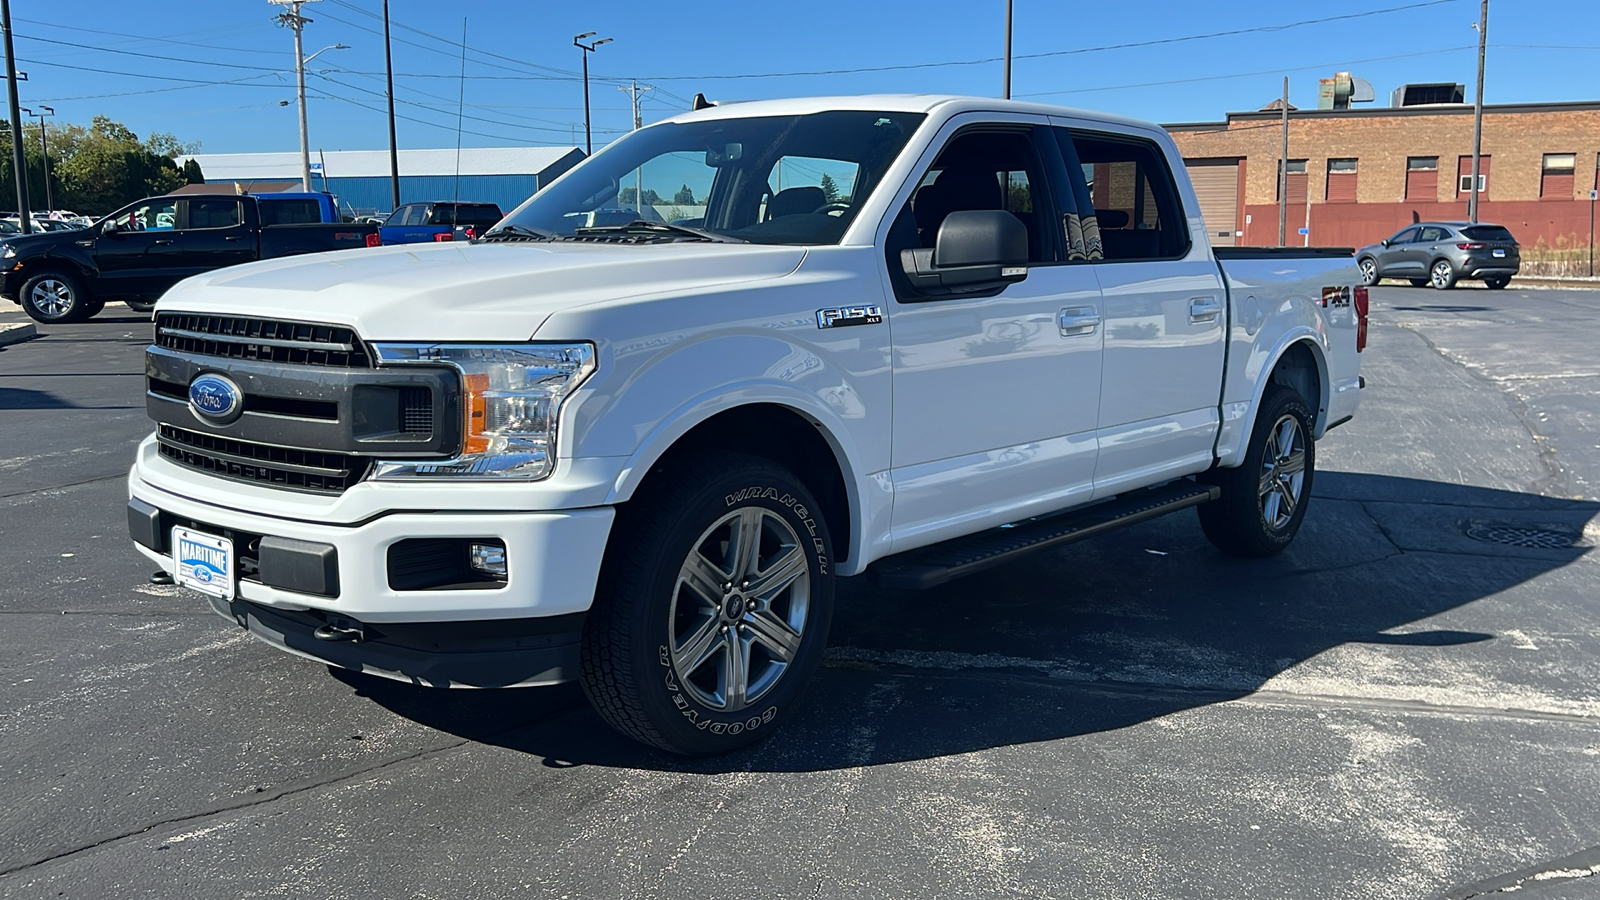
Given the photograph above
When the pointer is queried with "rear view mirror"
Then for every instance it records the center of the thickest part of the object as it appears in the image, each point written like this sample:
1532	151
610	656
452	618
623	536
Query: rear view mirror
730	153
976	250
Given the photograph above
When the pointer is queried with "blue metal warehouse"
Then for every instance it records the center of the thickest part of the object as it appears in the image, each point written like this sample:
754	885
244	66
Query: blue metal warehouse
360	178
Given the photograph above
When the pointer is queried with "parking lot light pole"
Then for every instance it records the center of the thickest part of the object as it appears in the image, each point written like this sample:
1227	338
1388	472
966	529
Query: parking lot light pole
588	136
17	160
44	147
1477	114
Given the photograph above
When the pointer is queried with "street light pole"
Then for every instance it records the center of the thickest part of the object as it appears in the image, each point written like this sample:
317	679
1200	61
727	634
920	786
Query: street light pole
588	136
17	159
1477	113
293	19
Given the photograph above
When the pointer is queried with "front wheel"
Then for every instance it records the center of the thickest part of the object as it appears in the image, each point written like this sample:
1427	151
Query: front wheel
1443	275
55	297
1497	284
1264	500
1369	271
713	606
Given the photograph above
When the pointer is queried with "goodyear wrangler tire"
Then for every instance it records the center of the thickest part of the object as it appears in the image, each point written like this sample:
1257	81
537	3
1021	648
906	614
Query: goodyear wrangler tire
713	606
1264	500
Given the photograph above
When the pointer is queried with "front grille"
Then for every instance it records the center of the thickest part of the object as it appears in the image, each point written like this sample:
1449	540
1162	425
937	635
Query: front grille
416	411
263	464
267	340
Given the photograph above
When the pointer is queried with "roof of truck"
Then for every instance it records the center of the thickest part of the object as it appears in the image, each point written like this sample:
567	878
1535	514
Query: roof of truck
917	103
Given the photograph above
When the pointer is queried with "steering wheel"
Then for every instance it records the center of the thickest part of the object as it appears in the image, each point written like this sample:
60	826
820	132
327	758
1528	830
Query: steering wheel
830	208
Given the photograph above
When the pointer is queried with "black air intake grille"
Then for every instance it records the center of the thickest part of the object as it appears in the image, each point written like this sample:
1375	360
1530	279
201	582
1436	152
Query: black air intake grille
267	340
305	470
416	411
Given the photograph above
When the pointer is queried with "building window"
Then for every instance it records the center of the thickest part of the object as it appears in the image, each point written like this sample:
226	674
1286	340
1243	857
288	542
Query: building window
1555	176
1341	181
1464	176
1295	169
1422	179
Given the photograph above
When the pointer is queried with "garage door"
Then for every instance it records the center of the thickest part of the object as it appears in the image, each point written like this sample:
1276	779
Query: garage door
1216	181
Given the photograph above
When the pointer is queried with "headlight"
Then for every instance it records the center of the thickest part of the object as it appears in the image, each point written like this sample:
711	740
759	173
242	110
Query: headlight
511	403
9	252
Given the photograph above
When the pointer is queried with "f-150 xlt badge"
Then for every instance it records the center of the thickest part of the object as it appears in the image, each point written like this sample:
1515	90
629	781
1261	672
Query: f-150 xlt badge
843	316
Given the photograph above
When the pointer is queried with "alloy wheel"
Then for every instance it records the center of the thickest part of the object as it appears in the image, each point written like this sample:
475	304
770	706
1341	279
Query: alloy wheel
739	609
52	297
1369	272
1441	274
1283	472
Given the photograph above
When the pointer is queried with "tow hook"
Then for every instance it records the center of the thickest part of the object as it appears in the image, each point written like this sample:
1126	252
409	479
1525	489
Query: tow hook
341	630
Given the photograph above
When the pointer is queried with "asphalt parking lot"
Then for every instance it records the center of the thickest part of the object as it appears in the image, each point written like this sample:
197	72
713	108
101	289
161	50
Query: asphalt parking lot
1402	705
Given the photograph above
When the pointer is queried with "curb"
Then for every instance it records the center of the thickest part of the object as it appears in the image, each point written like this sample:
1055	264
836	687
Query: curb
18	332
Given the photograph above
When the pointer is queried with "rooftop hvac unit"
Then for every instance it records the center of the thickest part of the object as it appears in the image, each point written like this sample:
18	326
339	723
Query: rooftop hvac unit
1342	90
1433	94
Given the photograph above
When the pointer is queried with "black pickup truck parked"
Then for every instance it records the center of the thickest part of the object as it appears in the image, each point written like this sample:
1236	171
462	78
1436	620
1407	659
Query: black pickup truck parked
139	251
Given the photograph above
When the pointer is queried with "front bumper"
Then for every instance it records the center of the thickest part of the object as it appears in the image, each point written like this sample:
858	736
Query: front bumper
552	558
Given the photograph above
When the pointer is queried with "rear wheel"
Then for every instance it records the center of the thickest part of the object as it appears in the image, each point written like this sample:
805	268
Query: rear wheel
1369	271
713	606
1443	275
1496	284
1264	500
54	297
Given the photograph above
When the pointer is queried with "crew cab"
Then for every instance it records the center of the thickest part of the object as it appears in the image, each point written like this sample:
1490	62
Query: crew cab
902	337
419	223
138	252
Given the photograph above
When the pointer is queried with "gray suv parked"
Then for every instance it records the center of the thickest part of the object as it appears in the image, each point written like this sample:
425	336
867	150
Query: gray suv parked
1442	253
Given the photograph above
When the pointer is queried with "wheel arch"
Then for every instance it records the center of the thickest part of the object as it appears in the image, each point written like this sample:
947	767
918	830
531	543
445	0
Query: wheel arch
1298	362
789	435
46	265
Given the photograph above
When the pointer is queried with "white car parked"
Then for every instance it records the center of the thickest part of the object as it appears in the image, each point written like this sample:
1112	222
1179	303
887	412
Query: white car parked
904	336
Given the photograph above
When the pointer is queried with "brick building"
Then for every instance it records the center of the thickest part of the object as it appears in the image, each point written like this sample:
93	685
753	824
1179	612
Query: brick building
1359	175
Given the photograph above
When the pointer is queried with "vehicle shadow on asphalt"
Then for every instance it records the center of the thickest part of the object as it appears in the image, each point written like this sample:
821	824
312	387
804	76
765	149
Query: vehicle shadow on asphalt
1106	634
22	398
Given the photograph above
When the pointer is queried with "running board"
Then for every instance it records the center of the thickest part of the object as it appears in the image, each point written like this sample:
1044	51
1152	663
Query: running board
934	565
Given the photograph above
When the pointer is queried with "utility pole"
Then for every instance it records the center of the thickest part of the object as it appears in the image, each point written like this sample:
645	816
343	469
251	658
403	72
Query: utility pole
1477	113
292	19
635	93
588	136
1007	94
394	147
1283	173
44	147
18	163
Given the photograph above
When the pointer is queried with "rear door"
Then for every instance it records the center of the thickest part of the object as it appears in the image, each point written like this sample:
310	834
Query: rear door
1430	244
995	393
1163	304
215	234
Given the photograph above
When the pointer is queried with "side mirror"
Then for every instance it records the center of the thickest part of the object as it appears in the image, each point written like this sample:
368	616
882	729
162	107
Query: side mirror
1384	242
109	228
976	250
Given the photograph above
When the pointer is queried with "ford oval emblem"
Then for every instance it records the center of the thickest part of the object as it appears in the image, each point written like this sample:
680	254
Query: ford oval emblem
215	399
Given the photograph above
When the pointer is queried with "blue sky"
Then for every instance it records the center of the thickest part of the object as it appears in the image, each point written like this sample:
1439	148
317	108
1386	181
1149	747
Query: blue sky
154	66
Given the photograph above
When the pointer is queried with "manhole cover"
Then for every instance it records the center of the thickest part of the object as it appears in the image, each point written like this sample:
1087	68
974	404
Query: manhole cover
1520	536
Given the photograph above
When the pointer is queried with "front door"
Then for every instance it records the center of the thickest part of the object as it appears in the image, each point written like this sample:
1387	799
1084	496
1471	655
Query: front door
1398	260
995	395
1164	306
142	257
215	235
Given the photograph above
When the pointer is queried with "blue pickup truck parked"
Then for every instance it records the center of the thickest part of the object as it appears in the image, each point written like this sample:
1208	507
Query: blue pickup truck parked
443	220
298	209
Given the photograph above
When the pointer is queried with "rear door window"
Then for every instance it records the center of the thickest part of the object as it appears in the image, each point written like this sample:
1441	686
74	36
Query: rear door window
1135	200
415	214
299	211
1433	233
478	216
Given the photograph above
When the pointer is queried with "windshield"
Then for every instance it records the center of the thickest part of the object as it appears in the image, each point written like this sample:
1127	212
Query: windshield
766	180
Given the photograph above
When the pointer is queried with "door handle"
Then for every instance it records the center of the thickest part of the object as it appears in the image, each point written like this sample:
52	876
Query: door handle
233	237
163	243
1204	309
1078	320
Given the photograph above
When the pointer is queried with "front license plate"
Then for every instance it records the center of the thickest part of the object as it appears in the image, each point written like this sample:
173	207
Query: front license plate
1499	254
204	561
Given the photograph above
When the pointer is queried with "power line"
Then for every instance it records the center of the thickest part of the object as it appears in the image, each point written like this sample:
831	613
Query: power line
458	46
241	82
141	37
163	58
451	128
1054	53
498	122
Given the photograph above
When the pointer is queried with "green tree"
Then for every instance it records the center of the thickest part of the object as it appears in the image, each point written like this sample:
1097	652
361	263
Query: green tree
192	173
98	169
627	194
684	196
830	189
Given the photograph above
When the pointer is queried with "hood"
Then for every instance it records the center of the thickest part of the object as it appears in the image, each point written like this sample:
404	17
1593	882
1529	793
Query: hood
468	292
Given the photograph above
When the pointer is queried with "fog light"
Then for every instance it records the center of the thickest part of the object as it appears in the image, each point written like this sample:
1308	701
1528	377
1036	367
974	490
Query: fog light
490	559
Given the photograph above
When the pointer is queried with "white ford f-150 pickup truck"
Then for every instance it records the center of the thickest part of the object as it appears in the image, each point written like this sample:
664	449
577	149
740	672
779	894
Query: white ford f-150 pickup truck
633	441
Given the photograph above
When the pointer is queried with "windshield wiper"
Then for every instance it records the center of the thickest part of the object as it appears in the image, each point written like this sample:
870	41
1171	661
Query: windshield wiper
645	226
514	232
